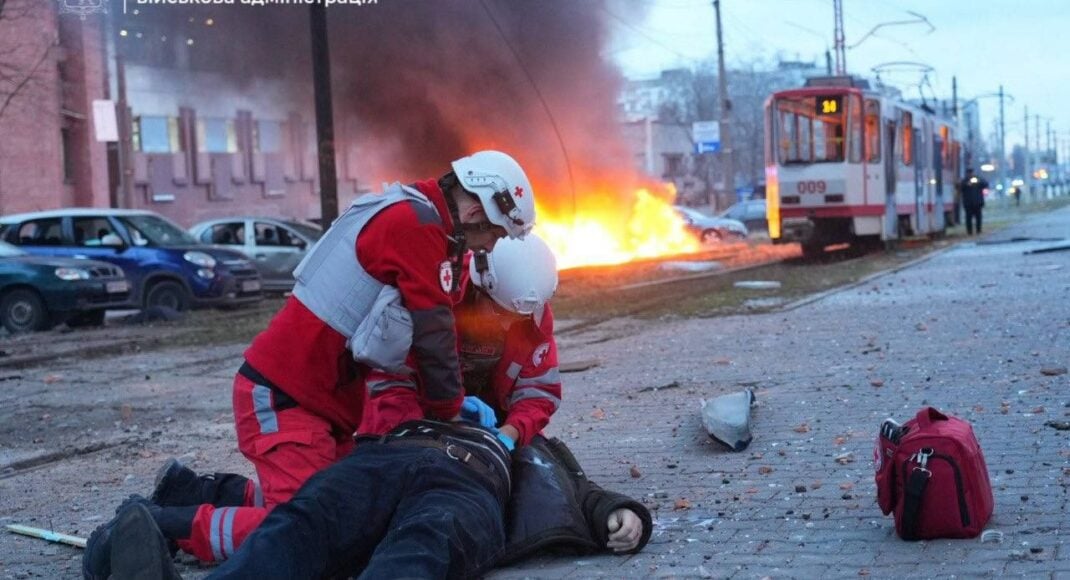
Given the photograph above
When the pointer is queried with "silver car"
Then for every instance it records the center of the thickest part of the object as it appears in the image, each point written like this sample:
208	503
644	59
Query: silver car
276	246
711	228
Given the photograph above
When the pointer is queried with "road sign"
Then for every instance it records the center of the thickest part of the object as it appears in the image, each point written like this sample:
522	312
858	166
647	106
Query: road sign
707	136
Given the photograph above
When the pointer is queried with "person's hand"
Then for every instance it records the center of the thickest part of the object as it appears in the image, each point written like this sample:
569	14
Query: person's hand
475	410
625	530
506	440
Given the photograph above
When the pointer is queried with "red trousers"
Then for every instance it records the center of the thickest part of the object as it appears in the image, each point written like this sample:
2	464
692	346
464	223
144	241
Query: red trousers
287	445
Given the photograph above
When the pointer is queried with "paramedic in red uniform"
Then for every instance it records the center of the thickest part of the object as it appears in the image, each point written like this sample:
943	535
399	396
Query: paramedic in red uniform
508	352
378	283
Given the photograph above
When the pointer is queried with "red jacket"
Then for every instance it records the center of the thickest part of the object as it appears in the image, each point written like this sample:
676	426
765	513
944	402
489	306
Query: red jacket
405	246
521	379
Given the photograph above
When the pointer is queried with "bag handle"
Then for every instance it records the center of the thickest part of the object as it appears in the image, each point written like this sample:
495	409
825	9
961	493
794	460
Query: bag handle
927	415
913	492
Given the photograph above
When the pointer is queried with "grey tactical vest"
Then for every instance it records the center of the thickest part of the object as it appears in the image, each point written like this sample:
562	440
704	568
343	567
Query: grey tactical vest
340	292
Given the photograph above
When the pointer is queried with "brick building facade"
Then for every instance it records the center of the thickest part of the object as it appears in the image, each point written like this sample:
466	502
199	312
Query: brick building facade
51	70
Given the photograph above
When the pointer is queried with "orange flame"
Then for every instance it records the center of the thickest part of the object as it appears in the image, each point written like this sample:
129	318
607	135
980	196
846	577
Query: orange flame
606	231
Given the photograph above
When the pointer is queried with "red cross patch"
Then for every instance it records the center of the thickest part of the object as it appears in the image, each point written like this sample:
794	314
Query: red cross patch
445	276
519	191
540	353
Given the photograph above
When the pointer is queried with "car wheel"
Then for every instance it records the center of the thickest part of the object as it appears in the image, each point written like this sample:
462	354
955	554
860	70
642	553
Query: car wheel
167	294
711	236
83	319
22	310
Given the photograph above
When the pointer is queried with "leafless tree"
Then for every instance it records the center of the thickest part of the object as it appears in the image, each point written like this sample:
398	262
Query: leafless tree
22	58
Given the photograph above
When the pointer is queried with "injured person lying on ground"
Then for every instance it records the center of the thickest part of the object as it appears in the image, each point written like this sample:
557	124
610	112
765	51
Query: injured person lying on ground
427	500
510	360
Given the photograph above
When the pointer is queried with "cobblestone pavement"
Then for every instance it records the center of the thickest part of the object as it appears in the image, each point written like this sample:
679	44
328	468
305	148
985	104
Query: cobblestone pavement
967	330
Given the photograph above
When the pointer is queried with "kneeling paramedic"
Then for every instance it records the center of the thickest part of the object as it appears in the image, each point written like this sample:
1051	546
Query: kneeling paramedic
378	283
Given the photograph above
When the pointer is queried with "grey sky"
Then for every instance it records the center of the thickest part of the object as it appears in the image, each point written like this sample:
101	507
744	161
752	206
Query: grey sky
1021	44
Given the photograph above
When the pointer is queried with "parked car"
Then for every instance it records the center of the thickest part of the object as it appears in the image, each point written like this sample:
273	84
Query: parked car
164	264
751	212
38	292
276	246
709	228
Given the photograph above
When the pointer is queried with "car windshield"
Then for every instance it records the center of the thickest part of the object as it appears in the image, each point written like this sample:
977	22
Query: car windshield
309	231
153	230
9	251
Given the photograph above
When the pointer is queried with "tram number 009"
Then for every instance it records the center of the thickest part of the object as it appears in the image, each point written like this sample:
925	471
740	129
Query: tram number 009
811	187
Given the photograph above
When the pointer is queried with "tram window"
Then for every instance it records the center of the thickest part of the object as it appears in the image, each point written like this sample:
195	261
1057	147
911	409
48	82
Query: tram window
873	131
806	135
905	133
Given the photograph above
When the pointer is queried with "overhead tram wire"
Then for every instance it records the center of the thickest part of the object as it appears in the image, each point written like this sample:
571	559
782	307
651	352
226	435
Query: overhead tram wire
545	106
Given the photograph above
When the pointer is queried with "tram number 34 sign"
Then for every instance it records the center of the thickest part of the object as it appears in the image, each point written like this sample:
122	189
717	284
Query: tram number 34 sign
811	186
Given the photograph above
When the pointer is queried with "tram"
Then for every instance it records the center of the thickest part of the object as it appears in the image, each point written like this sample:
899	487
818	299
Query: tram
849	163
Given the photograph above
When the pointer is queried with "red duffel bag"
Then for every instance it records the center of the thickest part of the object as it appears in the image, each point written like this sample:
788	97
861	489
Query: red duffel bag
931	473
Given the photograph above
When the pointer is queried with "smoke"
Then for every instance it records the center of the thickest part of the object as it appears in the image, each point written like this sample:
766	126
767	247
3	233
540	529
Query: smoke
430	81
419	83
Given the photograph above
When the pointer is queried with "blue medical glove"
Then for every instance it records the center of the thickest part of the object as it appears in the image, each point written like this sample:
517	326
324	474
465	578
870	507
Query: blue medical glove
475	410
507	441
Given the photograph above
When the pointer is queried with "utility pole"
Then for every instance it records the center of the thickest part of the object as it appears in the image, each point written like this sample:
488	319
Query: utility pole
838	38
1027	171
126	141
1036	138
955	98
321	83
727	159
1002	144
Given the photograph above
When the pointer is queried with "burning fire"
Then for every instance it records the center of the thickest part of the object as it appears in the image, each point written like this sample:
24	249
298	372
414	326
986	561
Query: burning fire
606	231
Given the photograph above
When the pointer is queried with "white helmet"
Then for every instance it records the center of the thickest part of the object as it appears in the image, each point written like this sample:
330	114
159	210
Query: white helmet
502	188
520	275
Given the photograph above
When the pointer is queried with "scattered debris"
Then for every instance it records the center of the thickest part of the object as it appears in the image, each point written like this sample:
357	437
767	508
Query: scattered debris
757	284
682	504
765	470
598	414
1053	371
691	266
578	366
672	385
52	378
636	474
1058	425
722	361
921	327
803	428
845	458
800	489
877	382
47	535
991	537
727	419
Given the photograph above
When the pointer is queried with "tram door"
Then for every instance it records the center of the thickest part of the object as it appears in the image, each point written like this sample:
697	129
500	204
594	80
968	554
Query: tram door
936	215
920	172
891	216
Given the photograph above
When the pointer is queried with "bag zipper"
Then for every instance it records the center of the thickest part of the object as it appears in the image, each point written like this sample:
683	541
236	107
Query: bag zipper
964	511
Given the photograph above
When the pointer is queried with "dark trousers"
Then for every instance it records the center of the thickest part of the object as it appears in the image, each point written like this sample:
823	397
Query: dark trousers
384	511
973	215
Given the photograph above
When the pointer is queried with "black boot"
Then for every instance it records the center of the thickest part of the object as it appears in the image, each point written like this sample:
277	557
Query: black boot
96	560
178	485
175	523
138	549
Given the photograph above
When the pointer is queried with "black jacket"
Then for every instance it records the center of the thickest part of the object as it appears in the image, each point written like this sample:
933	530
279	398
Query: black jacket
973	191
555	508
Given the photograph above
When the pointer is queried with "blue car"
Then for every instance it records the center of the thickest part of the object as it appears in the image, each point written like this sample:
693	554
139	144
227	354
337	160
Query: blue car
164	264
39	292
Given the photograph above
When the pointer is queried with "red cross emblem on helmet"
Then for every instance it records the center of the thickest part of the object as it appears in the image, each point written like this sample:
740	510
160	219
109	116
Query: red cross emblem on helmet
519	191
